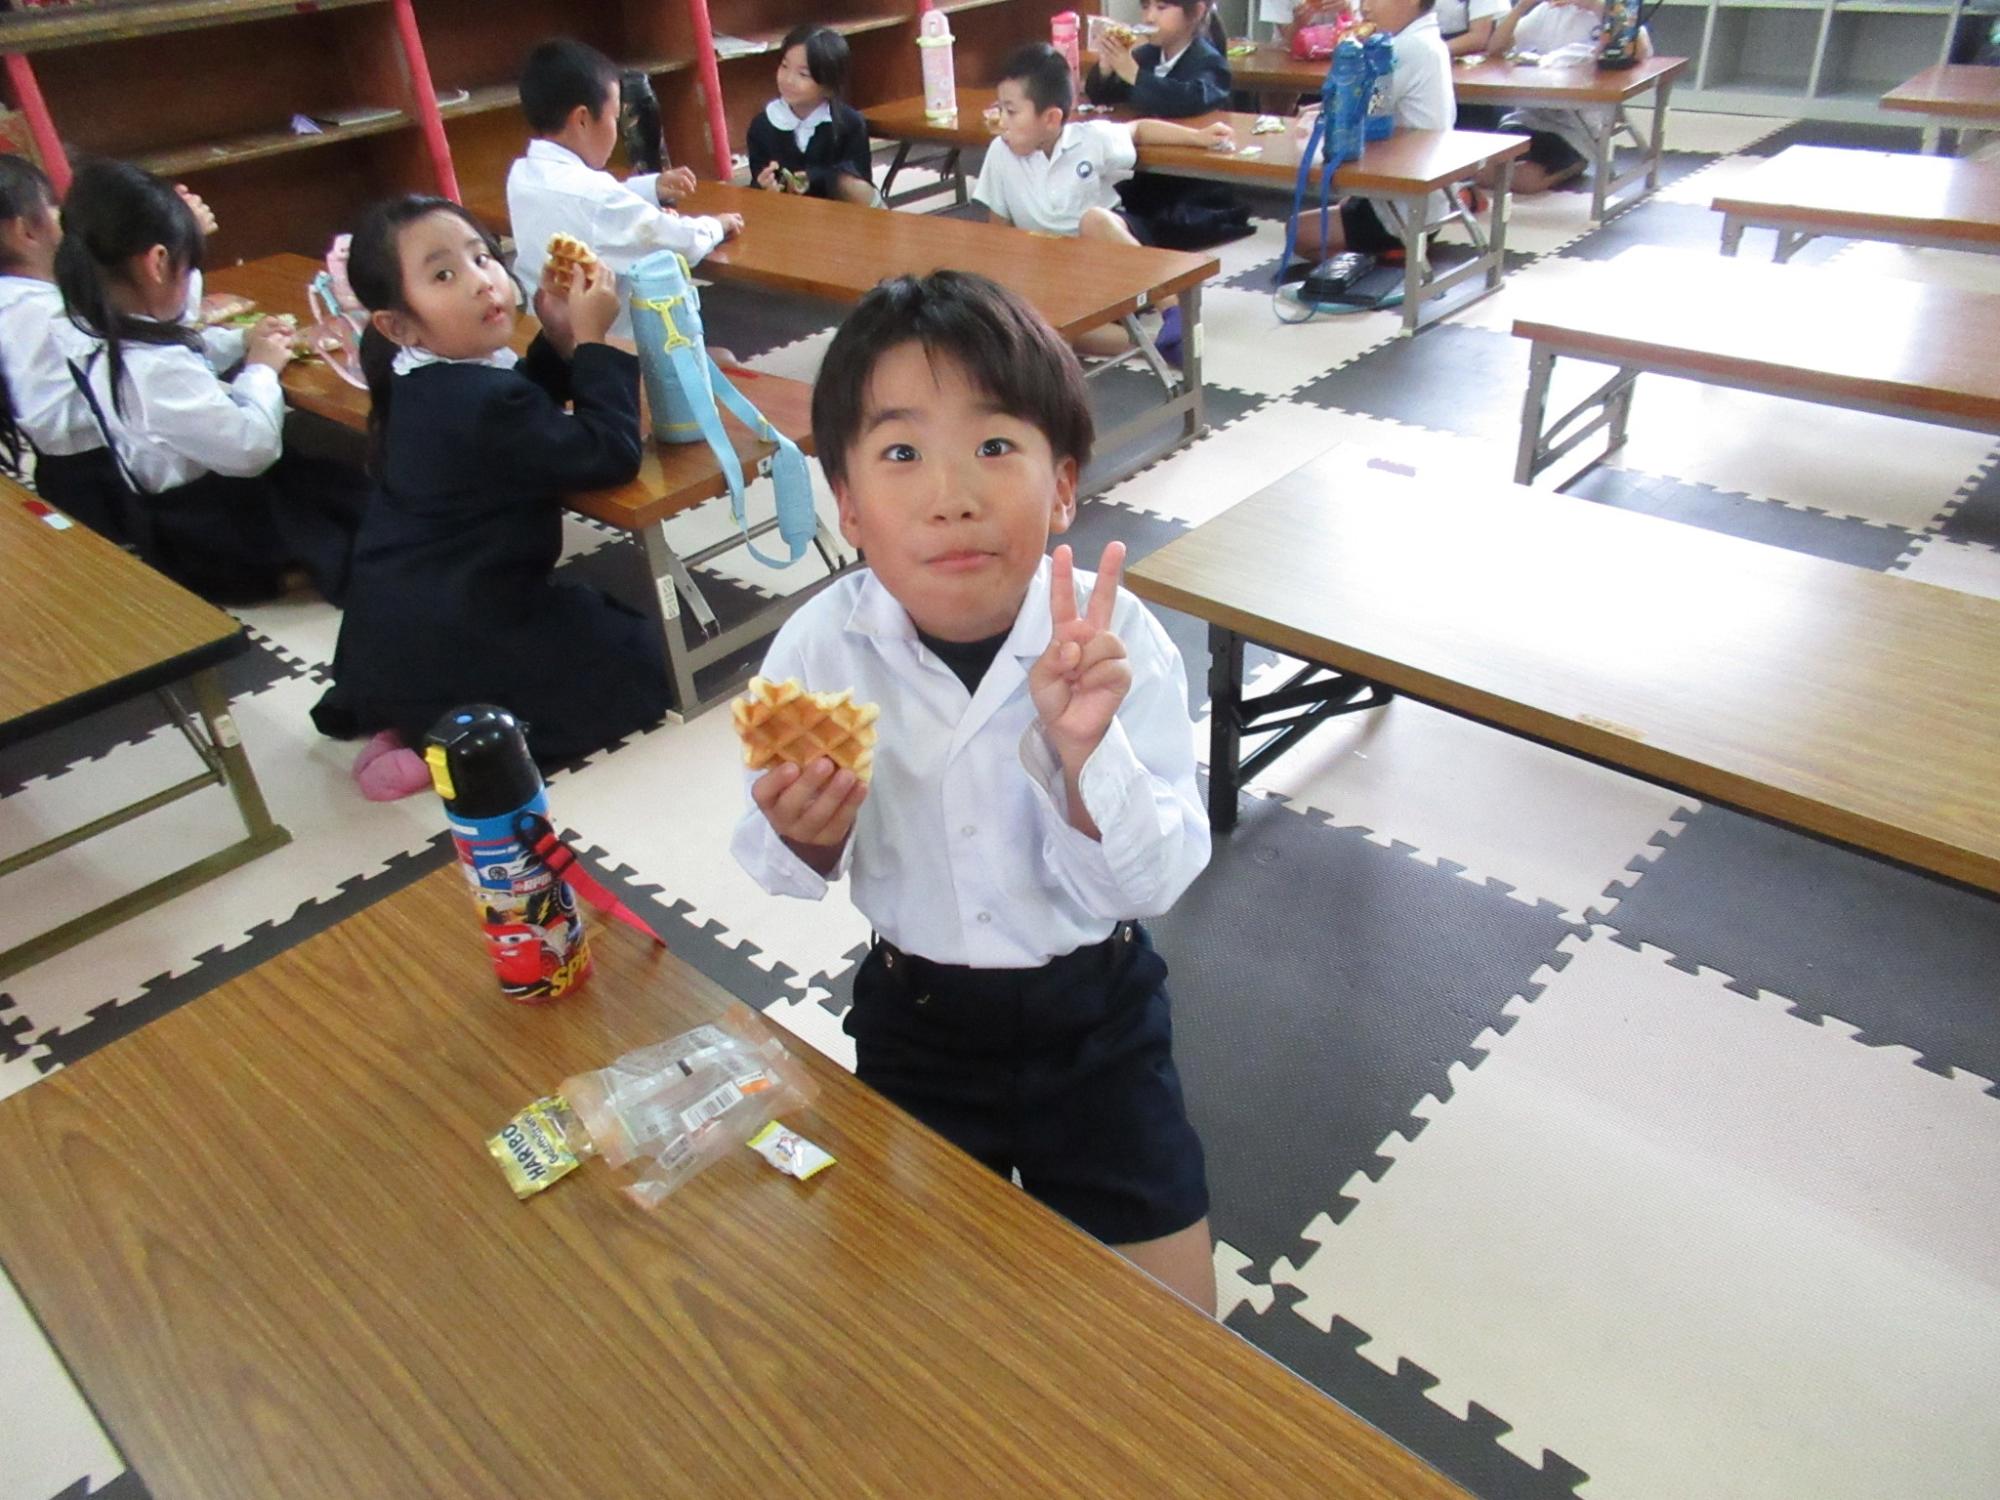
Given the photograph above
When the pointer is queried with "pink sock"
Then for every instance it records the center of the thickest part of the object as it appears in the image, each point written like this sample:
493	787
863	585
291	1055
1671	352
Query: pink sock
387	772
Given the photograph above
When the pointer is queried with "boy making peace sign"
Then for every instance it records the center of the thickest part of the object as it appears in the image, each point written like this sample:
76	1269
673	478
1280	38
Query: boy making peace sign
1033	791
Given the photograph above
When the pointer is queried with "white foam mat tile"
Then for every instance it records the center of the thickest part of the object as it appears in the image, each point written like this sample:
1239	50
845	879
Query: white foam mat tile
798	360
1683	1238
1544	284
812	1023
302	624
1540	222
1553	827
666	803
1954	565
16	1073
1480	460
1970	270
50	1442
1204	479
1246	348
1700	130
336	836
1700	187
1265	243
1848	463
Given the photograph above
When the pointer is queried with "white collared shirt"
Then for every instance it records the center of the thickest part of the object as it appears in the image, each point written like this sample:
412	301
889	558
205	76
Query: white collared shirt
1455	17
180	419
416	356
1550	28
1421	98
36	340
963	852
1050	190
551	190
1166	64
785	117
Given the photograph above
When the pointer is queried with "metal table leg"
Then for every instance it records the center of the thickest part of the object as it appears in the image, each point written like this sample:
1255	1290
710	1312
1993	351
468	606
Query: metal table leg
1534	408
1195	418
1496	232
1225	742
1659	135
1732	234
1413	262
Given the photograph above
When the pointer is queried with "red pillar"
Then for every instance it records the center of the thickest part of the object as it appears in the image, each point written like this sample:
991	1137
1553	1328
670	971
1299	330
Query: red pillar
40	125
711	84
424	96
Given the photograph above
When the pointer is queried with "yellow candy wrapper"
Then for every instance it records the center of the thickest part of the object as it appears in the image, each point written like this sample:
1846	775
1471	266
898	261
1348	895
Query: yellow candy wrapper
789	1152
533	1149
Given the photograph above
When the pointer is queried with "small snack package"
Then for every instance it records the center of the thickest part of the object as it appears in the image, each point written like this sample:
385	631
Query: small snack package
669	1110
534	1148
790	1152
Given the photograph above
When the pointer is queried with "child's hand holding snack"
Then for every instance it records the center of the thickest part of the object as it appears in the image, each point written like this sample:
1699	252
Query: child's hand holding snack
593	303
675	183
269	342
768	178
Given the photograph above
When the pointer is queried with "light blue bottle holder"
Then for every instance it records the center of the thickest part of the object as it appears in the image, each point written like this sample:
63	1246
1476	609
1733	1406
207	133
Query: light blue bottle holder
683	387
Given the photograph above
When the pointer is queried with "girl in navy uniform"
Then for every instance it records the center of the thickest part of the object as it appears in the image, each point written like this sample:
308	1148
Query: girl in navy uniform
451	600
1181	72
215	503
41	410
810	130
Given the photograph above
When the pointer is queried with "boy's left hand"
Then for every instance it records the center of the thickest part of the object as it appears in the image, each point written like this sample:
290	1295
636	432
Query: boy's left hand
1219	136
675	184
1079	682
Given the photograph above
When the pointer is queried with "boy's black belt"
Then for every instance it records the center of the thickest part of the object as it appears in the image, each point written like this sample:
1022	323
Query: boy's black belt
1092	958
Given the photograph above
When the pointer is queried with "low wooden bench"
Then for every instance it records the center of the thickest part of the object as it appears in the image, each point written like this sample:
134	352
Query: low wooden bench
673	479
1963	97
1793	688
1807	191
87	626
1876	344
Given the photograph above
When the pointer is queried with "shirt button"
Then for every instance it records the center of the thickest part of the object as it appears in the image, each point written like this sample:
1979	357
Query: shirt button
968	830
986	916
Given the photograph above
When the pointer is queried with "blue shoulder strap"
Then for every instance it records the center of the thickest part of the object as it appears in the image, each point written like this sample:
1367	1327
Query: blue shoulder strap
699	374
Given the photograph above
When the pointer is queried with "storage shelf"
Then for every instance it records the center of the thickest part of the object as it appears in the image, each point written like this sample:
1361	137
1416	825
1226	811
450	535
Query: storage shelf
119	20
209	154
953	7
764	42
482	100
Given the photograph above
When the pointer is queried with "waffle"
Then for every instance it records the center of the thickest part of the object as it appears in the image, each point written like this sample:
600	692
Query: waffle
565	253
780	723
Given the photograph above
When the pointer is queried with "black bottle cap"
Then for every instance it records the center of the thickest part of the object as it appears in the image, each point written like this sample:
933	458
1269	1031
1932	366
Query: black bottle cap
479	761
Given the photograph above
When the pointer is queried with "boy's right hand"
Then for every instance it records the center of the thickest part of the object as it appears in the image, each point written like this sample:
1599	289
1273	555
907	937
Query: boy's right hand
269	343
812	808
1218	137
593	303
768	178
732	225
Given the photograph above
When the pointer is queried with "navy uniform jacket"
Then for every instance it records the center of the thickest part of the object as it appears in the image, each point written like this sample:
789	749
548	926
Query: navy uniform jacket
837	145
450	600
1198	83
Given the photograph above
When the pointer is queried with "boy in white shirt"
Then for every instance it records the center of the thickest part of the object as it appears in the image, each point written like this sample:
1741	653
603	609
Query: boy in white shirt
1420	98
571	94
1056	177
1559	140
1033	789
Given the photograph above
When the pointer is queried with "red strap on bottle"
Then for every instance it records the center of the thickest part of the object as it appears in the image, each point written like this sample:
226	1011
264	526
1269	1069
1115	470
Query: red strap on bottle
536	832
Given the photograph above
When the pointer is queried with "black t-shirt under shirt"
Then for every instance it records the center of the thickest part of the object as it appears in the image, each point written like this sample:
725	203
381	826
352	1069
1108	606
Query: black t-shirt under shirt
968	660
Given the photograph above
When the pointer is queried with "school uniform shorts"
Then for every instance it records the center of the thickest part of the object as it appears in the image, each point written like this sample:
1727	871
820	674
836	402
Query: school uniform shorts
1063	1073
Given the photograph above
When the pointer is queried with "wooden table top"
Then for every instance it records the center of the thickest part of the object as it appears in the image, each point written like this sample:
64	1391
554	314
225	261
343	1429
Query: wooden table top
1966	91
86	622
673	477
1827	188
1410	161
267	1239
1496	80
1854	704
1807	331
820	248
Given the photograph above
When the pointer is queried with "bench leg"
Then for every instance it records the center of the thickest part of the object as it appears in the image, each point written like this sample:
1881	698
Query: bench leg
1659	142
1496	231
1534	408
1790	242
667	570
957	171
1732	234
1604	143
1414	214
1195	418
896	164
1225	715
1621	412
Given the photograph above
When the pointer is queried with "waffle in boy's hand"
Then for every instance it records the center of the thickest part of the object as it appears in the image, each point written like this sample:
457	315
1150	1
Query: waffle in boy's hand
780	723
565	254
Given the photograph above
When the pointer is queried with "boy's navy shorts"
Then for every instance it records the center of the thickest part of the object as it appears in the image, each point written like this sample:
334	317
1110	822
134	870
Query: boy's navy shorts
1063	1073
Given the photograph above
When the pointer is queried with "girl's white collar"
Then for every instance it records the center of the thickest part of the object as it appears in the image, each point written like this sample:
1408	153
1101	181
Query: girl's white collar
415	357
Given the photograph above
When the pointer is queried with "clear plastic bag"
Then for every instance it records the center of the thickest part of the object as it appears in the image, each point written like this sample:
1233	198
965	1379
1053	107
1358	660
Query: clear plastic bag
669	1110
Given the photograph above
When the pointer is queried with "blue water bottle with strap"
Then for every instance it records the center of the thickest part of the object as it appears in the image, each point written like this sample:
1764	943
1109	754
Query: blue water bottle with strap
1379	53
1348	78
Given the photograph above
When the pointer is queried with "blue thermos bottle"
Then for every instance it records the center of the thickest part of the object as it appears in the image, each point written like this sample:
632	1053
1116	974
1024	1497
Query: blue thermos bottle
1349	80
1380	54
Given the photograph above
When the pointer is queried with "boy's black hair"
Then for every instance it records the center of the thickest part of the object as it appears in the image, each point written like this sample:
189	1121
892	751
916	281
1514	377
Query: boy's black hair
375	271
115	211
826	56
558	76
24	189
1005	347
1043	74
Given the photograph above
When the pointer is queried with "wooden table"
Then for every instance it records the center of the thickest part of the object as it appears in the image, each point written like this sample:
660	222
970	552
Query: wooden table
1859	706
1806	191
816	247
1873	344
1957	96
1603	96
905	122
673	478
265	1236
87	625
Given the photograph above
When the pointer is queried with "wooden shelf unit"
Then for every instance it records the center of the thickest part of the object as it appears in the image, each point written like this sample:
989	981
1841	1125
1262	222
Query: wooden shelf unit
206	90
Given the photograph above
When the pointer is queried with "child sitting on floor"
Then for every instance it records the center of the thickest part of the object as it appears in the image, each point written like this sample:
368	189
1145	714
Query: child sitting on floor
1559	140
1056	176
570	94
809	133
452	600
1033	793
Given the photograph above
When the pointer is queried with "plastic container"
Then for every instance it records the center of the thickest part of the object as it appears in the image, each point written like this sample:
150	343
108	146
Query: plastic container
1347	83
494	799
1063	29
934	41
1379	52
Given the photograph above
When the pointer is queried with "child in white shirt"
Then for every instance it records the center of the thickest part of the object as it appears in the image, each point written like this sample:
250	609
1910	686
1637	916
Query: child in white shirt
1033	789
1560	145
570	93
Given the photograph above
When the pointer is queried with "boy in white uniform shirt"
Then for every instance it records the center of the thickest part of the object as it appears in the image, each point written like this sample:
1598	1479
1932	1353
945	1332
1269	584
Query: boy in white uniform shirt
1033	787
1421	99
1056	177
570	94
1559	140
